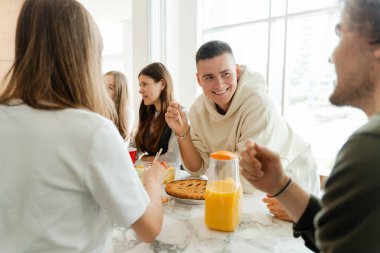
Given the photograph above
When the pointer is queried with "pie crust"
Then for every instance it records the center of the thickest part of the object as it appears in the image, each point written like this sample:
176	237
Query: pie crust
187	189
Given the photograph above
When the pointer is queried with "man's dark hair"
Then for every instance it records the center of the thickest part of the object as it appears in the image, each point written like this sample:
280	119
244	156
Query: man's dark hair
211	49
363	17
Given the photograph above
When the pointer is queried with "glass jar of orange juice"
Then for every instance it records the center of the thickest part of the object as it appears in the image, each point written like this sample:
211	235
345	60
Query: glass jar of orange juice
223	192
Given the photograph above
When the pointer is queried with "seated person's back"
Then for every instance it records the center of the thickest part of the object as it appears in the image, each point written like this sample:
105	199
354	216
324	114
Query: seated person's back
66	175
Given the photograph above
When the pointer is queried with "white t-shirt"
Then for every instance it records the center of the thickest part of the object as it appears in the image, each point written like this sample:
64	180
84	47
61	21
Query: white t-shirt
65	178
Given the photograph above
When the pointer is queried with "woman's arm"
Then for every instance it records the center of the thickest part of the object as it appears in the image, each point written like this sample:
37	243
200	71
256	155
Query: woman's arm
114	184
148	226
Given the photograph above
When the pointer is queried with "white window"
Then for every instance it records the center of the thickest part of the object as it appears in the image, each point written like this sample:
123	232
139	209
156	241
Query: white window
114	19
289	42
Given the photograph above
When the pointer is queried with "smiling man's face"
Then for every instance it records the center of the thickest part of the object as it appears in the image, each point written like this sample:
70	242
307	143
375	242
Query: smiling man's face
218	78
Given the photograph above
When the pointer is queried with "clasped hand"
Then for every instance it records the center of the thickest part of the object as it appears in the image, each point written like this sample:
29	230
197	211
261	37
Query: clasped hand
263	169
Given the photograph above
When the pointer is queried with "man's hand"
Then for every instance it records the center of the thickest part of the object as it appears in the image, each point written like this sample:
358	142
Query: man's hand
177	119
276	209
262	168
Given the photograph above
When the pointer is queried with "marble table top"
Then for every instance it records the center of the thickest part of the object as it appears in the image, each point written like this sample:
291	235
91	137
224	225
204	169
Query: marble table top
184	230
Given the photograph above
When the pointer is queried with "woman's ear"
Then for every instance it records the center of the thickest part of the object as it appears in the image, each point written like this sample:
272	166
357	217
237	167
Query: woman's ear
163	84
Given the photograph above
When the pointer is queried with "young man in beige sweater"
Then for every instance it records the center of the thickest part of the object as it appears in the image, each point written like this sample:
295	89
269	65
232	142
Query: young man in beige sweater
233	108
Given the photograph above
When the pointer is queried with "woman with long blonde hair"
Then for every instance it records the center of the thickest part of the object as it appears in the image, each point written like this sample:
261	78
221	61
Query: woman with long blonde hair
117	86
66	176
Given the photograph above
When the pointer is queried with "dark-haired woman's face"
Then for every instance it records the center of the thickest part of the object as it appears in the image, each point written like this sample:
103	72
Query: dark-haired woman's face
150	91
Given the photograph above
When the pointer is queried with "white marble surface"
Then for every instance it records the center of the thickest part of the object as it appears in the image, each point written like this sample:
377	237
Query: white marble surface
184	230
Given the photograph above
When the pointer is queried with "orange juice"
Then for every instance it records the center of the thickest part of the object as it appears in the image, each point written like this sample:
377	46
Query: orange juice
222	205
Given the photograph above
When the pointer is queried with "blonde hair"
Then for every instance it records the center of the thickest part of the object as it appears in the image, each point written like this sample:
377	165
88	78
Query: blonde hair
57	59
120	99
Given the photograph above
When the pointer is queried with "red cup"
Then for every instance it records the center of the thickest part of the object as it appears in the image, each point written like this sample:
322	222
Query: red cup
132	153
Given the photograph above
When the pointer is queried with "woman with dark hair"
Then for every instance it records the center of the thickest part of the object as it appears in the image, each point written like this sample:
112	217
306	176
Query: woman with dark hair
153	133
117	87
66	176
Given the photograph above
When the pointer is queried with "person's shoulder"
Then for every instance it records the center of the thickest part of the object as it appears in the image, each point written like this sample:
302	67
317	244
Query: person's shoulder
357	162
252	88
372	127
87	120
256	101
198	101
252	80
87	115
360	152
248	73
198	104
367	137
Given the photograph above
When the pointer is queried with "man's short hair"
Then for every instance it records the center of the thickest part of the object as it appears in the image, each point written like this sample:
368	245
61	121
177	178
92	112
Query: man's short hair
363	17
211	49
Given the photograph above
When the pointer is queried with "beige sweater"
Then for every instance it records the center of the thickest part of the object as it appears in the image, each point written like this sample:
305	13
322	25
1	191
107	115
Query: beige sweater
252	115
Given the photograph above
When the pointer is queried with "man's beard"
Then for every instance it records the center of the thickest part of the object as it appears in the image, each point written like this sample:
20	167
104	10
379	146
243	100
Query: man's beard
352	94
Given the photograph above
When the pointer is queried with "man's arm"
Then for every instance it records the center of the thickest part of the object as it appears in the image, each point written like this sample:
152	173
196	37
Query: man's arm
305	225
190	156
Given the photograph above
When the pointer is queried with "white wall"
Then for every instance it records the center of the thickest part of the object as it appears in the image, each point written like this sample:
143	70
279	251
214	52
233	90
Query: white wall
182	44
189	39
172	48
181	36
140	52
